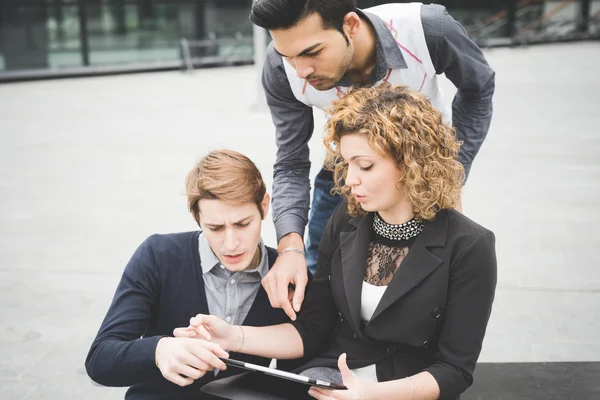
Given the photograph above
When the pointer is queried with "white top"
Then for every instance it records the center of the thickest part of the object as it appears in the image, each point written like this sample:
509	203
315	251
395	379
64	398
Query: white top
370	297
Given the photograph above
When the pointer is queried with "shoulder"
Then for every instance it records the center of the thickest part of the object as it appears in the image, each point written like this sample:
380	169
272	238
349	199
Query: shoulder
273	59
340	219
169	245
271	255
273	70
468	239
459	222
432	18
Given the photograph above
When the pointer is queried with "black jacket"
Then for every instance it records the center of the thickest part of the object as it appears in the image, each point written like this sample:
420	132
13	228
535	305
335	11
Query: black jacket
432	317
160	290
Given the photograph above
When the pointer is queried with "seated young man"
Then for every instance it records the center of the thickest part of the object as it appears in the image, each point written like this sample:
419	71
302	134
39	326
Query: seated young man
171	278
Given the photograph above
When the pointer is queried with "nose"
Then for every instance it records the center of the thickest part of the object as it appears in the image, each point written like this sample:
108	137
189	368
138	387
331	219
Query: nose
231	240
352	178
303	68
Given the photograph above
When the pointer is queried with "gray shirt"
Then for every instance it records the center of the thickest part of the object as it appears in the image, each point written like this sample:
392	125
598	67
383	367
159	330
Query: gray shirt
230	294
452	53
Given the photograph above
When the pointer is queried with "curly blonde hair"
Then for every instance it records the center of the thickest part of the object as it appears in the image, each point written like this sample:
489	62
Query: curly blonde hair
401	124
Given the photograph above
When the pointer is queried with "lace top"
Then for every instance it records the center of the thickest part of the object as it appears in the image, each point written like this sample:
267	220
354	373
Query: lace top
384	258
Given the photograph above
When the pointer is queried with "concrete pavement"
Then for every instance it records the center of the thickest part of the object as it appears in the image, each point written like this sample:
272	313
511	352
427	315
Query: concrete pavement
90	167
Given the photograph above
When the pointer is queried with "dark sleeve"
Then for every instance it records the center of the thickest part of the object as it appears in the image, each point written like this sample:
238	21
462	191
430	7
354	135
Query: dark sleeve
470	297
319	314
294	126
119	356
454	54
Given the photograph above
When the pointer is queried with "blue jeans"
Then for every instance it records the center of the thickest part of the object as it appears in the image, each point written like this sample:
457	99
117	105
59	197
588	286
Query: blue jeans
323	205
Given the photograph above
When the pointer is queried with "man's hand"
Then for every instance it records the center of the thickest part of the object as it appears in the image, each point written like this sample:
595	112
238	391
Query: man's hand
290	268
183	360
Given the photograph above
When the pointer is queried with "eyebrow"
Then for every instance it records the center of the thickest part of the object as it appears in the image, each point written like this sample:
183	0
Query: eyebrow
357	156
241	221
303	52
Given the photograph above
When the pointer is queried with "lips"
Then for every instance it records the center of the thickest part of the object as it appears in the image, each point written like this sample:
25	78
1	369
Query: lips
359	198
234	259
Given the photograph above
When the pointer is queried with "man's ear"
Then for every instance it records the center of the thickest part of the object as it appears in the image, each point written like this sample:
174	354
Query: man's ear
265	205
352	24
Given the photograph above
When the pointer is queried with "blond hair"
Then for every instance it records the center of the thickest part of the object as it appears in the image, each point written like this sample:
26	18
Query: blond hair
227	176
403	125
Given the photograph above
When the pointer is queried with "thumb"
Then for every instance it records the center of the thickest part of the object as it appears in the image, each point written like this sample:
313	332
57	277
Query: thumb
347	375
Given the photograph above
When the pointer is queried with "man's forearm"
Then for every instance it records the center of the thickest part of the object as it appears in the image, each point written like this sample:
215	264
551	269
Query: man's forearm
471	117
279	341
291	240
291	198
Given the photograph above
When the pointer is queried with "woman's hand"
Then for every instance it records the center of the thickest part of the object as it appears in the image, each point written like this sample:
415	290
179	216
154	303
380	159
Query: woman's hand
212	329
358	389
183	360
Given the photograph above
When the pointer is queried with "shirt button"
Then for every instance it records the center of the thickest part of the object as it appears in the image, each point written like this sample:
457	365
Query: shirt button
233	281
436	313
228	319
222	266
425	344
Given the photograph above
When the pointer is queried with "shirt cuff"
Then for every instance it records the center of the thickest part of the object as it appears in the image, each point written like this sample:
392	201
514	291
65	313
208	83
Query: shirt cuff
289	224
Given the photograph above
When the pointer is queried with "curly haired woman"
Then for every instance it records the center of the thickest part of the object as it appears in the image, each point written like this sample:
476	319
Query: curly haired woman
404	286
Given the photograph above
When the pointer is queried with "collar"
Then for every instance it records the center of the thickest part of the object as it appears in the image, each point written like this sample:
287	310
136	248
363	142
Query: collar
433	234
209	260
388	54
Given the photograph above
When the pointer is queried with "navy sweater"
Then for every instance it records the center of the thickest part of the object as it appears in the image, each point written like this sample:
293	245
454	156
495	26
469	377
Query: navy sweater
160	290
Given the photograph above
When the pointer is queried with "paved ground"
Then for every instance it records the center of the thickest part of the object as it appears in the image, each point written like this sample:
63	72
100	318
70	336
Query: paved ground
91	167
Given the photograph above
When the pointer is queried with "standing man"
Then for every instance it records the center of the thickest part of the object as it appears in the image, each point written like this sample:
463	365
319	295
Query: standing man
320	49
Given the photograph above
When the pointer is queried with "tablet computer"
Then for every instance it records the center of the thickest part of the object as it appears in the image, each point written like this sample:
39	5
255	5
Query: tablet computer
283	374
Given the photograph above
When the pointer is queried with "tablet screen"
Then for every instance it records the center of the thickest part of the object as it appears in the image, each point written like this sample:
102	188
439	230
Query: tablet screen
283	374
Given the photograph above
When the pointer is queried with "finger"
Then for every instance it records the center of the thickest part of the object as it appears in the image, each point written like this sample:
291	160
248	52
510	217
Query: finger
216	349
347	375
178	379
193	373
269	285
199	319
301	282
320	394
201	331
191	360
282	296
184	332
207	356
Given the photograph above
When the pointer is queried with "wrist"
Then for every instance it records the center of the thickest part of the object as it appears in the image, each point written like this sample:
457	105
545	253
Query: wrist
236	341
291	240
158	350
371	391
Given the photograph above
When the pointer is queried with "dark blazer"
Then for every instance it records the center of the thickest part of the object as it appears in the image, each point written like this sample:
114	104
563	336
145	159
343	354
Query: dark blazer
432	317
161	289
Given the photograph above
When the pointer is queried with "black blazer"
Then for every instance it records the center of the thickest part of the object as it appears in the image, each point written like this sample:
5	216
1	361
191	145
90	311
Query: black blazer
432	317
161	289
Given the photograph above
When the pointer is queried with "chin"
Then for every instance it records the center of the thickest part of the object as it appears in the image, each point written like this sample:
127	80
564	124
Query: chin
325	86
367	208
242	265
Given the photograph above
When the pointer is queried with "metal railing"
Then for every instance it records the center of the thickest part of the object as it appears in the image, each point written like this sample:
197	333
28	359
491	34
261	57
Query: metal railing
240	51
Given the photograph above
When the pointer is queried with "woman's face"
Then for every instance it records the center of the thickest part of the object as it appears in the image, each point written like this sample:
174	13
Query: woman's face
372	178
232	231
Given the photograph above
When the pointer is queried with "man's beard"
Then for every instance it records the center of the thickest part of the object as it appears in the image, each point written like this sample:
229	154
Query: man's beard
330	83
